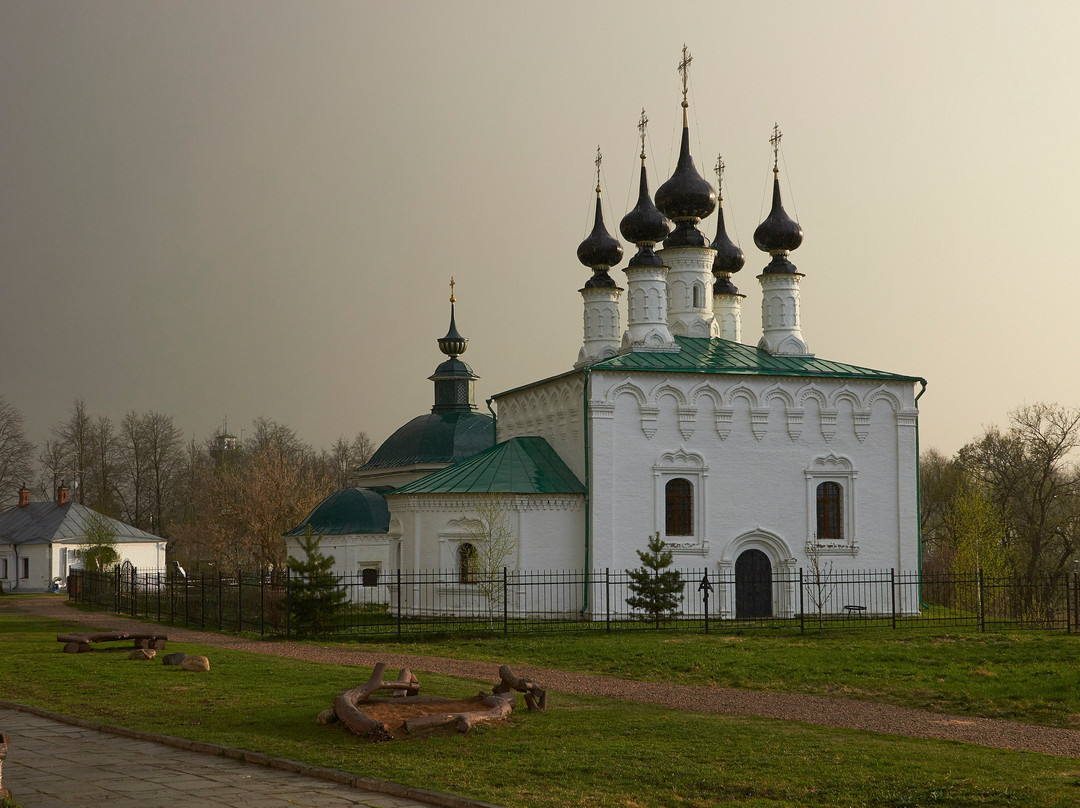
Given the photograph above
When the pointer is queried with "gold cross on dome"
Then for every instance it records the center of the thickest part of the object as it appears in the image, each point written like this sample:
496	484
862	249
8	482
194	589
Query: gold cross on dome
719	169
643	122
684	69
598	161
452	300
775	141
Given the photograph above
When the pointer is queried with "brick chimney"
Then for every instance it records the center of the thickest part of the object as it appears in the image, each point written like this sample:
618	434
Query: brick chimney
61	496
24	497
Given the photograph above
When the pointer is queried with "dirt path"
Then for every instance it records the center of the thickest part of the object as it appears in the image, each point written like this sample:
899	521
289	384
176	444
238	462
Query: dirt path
821	710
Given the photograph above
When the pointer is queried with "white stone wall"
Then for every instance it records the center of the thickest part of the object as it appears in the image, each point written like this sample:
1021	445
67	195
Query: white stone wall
554	411
48	562
754	449
352	554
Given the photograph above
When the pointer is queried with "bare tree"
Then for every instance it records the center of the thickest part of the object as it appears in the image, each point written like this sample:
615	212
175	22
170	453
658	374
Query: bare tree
495	542
16	453
134	472
821	583
74	436
103	473
165	457
347	456
1030	472
52	465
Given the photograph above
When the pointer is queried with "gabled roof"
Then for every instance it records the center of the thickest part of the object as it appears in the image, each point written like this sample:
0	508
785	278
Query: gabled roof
44	523
347	512
526	465
701	355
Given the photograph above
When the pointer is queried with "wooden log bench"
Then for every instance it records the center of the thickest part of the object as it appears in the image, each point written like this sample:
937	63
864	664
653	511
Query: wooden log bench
78	643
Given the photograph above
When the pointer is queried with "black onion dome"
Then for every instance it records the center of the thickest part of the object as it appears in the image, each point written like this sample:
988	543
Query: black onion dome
453	344
686	198
729	256
600	250
779	232
645	224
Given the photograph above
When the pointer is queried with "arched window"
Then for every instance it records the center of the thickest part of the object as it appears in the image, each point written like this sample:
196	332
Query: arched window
830	511
697	296
679	507
467	563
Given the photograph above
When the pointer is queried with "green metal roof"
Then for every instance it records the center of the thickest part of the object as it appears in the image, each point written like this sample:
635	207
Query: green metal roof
526	465
346	512
701	355
437	437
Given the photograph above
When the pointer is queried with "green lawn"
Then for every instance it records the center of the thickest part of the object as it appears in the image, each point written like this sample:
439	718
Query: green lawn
1030	676
582	752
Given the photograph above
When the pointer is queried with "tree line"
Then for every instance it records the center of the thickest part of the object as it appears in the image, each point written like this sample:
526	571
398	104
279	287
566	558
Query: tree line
1007	503
218	500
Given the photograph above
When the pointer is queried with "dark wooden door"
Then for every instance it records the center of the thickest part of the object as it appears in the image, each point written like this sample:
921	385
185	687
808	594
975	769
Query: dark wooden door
753	585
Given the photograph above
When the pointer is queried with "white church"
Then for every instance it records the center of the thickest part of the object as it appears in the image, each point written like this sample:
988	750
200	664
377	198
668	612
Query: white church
747	460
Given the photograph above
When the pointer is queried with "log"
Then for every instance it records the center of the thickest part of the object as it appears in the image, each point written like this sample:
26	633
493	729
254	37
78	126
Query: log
345	705
499	706
535	696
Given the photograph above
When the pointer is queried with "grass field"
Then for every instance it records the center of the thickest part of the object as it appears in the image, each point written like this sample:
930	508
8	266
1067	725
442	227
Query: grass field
583	751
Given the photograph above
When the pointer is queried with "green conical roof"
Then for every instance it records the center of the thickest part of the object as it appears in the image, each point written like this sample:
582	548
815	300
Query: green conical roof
525	465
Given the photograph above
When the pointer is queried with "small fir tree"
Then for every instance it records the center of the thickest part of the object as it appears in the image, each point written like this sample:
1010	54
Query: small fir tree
315	594
656	589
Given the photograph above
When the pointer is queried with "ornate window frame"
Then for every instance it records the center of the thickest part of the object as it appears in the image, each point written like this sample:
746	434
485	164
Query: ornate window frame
689	466
840	470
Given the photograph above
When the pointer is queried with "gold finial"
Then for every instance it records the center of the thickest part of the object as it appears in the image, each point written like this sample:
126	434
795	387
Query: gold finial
684	69
643	122
452	300
719	169
775	141
599	160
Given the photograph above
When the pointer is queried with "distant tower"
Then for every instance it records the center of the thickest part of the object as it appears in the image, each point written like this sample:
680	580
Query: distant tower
454	380
687	198
600	251
646	275
778	235
727	302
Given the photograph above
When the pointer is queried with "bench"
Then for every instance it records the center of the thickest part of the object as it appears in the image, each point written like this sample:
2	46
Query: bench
852	609
78	643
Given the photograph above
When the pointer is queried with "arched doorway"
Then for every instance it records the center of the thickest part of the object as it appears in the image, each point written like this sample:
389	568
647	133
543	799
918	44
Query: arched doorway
753	585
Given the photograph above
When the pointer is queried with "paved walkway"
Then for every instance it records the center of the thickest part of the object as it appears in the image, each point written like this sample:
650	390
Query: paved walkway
52	763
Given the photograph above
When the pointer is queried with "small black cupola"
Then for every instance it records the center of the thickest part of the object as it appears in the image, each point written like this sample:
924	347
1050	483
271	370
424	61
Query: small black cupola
645	225
729	256
453	378
600	250
779	234
687	197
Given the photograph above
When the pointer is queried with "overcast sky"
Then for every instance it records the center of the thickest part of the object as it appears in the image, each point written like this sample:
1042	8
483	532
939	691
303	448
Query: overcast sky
254	208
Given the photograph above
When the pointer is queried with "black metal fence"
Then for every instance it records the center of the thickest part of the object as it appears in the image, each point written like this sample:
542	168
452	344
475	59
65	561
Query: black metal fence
408	604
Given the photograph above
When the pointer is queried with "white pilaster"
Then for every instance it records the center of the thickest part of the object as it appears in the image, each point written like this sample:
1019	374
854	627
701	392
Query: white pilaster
647	311
781	323
727	310
689	281
601	322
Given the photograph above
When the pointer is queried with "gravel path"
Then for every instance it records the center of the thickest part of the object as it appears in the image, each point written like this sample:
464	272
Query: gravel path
821	710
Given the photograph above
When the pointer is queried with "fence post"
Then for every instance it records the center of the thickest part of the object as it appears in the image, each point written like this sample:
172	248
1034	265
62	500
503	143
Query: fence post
892	590
506	605
262	602
239	600
982	611
134	593
1068	607
802	609
607	597
288	602
706	586
399	603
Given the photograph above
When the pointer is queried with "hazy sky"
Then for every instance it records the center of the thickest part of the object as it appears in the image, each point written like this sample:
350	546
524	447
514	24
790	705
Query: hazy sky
254	208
